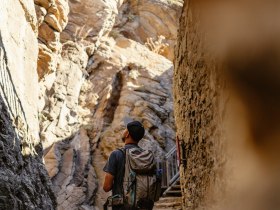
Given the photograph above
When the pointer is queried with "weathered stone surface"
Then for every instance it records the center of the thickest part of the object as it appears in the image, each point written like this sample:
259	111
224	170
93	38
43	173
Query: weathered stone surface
142	92
24	180
60	108
24	183
40	13
90	20
101	81
49	37
198	107
47	60
19	51
226	115
74	180
145	21
57	16
52	159
52	19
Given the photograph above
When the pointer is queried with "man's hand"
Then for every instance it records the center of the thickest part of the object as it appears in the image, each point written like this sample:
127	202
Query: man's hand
108	182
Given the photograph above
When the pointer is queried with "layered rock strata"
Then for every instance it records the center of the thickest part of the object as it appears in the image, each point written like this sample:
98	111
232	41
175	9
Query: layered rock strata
101	109
105	78
152	22
105	69
52	16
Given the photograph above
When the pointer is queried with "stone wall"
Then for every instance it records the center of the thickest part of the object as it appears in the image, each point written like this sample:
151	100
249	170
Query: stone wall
225	105
24	180
20	33
198	111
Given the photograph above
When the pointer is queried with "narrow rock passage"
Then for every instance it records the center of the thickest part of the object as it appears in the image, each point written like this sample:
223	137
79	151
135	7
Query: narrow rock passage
80	70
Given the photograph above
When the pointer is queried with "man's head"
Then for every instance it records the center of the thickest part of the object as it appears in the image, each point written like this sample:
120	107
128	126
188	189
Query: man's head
135	131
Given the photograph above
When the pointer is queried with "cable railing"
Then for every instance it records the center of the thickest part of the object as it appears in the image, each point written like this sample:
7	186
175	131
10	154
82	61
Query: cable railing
16	111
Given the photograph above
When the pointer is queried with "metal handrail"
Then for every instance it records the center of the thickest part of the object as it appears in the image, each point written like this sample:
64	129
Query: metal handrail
14	105
170	168
170	152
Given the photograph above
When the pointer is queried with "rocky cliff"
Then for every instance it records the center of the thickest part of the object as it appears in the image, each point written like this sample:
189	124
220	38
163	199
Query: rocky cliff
24	180
109	68
75	72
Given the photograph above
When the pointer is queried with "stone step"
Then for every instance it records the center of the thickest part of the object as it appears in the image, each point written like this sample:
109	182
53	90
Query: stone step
174	190
176	187
174	193
169	203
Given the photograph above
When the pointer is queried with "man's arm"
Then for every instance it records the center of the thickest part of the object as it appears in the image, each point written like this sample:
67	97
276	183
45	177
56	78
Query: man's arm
108	182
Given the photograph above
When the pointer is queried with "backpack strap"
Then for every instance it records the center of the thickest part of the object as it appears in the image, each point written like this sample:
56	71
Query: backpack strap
123	151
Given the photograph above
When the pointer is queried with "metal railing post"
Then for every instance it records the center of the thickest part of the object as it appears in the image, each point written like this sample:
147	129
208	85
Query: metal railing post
172	169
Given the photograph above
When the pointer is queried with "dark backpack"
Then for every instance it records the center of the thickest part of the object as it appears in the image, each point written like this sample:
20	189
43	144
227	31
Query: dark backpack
141	185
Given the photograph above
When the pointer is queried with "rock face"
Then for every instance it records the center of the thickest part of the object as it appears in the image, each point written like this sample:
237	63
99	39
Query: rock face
153	22
99	65
109	71
143	93
198	113
24	180
90	20
16	83
150	22
229	155
69	166
52	19
58	117
91	112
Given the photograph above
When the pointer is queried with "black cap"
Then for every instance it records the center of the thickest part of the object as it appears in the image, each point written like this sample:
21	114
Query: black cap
136	130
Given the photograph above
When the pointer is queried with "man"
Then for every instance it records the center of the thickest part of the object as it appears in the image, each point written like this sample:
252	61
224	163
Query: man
115	165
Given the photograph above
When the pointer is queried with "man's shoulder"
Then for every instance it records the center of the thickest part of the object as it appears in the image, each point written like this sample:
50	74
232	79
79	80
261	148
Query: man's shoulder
117	152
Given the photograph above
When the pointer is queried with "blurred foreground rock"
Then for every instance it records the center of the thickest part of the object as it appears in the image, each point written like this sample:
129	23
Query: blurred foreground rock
226	90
